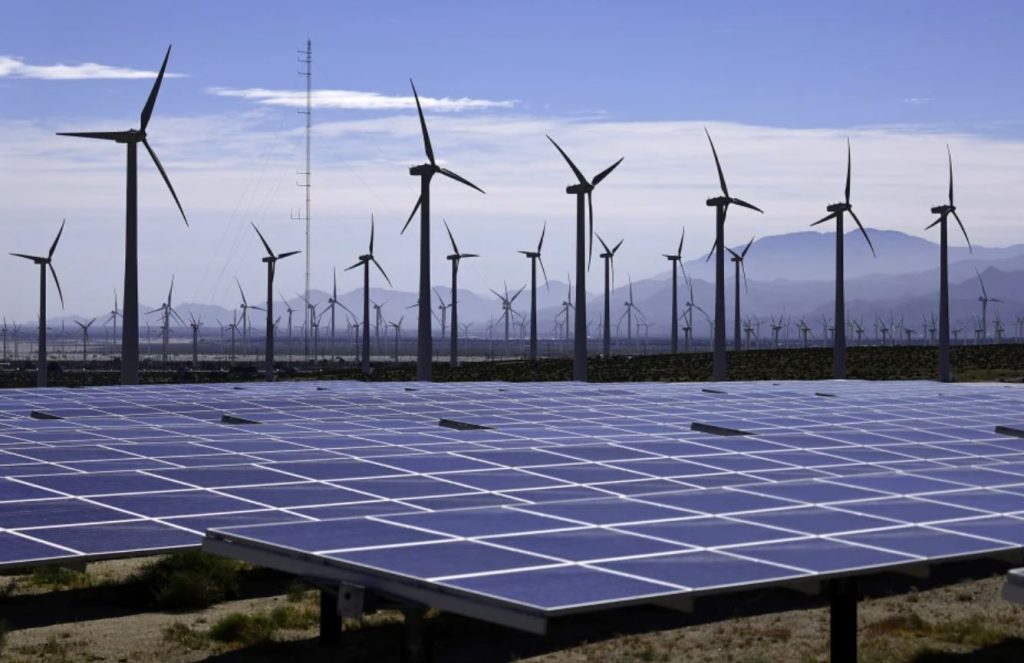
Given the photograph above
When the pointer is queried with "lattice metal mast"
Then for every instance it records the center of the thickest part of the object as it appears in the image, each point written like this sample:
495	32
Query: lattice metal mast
307	61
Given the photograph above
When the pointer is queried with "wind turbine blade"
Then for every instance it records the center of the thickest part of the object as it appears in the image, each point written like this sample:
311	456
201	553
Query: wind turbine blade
518	292
147	110
459	178
264	240
381	270
934	223
746	248
863	232
167	180
575	170
983	292
733	253
101	135
679	250
244	302
849	163
53	247
469	255
451	237
718	165
412	214
616	247
827	218
963	230
423	125
714	246
346	269
373	225
57	281
743	203
950	155
743	270
603	245
606	172
544	272
287	253
542	233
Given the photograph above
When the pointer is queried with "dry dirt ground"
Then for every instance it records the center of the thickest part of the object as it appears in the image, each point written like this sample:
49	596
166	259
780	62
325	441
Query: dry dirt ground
73	620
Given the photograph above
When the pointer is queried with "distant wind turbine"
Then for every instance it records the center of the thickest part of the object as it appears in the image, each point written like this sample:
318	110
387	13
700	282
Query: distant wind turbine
837	211
455	257
506	306
676	260
985	300
721	204
608	256
364	261
534	257
583	190
426	171
85	338
737	260
131	138
271	260
44	262
944	211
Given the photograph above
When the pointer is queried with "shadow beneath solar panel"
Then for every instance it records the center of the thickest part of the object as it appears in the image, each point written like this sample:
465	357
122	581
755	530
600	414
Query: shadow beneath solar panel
119	599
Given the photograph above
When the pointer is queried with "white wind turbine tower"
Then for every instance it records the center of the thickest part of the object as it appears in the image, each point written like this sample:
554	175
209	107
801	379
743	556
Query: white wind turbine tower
688	310
985	301
628	314
114	315
245	307
608	256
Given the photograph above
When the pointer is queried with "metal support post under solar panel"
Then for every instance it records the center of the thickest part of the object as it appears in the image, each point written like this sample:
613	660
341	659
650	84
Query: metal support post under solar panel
415	644
843	620
330	620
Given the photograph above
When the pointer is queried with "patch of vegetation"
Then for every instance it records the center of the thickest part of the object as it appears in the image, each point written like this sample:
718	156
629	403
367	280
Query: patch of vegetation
3	635
295	617
58	577
910	623
185	636
190	580
974	631
241	629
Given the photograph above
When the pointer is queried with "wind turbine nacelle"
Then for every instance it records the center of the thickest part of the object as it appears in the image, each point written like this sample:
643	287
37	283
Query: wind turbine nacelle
578	188
838	207
717	201
423	169
941	209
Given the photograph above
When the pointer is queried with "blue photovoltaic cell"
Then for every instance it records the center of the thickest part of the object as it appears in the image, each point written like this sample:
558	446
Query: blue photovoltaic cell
103	483
39	513
907	509
265	516
448	558
180	503
580	545
812	492
718	501
709	532
225	477
135	535
821	555
702	570
925	542
297	494
405	487
560	587
993	501
502	480
327	535
607	512
1000	528
480	522
13	491
816	520
15	549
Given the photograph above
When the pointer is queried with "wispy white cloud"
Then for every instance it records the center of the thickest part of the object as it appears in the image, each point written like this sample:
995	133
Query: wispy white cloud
356	100
918	101
15	67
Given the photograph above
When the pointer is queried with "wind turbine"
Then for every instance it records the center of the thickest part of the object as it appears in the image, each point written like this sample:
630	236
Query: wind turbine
721	204
426	171
245	306
737	260
333	302
195	323
583	191
455	257
114	315
365	260
688	310
131	138
44	262
506	306
271	260
944	211
609	284
167	312
85	338
398	334
534	257
628	314
567	306
676	260
984	299
837	211
443	307
290	310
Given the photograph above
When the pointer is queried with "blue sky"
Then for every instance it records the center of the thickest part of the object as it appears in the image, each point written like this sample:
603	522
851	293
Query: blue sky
781	84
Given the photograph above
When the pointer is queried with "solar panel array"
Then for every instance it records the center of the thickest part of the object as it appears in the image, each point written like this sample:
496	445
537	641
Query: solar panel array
572	495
